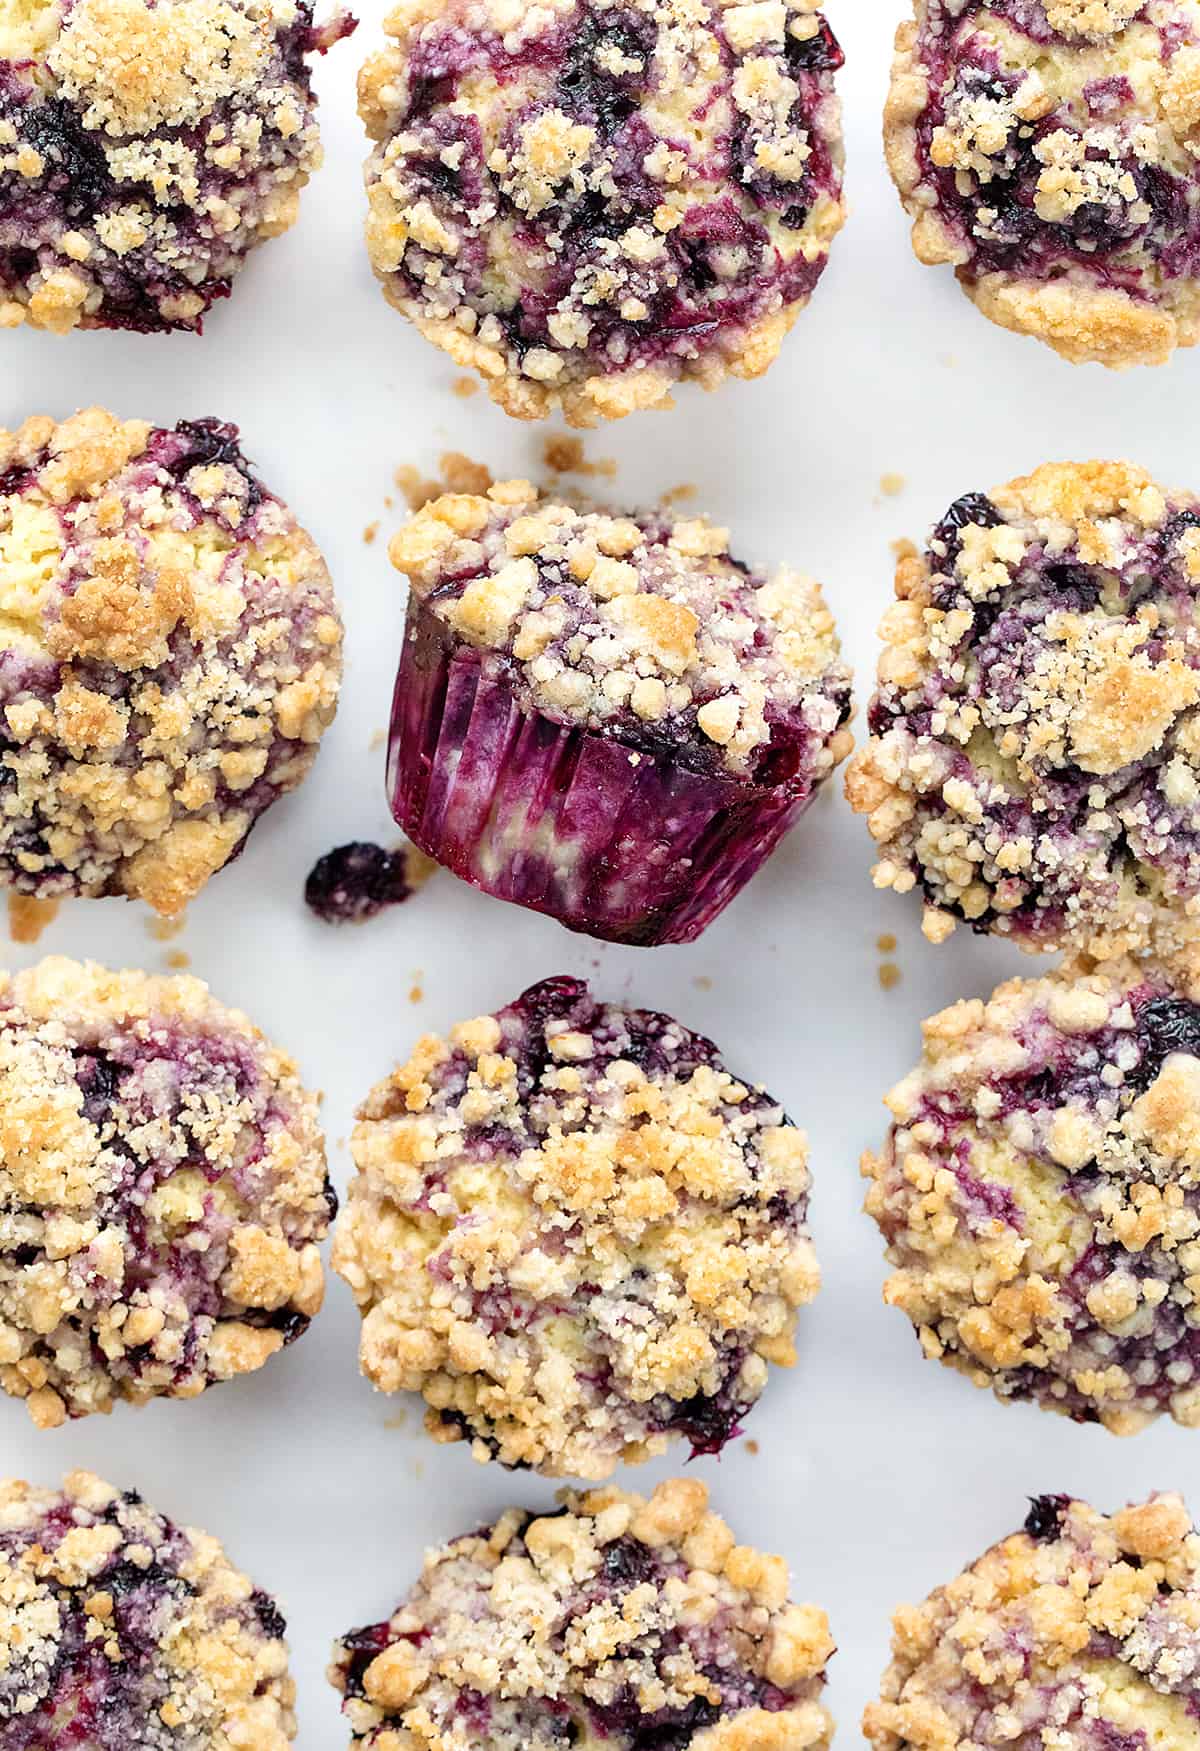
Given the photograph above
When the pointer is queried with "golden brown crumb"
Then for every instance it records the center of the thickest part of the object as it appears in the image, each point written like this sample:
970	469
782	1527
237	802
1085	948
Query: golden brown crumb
892	484
886	944
465	388
461	474
678	495
889	975
370	532
416	489
904	548
28	917
167	929
565	456
179	959
752	1449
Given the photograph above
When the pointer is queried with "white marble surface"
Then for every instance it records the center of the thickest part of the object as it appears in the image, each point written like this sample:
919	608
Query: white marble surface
877	1474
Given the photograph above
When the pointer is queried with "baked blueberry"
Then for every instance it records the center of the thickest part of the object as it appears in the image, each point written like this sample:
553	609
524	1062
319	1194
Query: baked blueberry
120	1631
162	1191
1078	1633
634	1624
605	717
590	200
146	146
1034	764
1047	149
576	1233
170	654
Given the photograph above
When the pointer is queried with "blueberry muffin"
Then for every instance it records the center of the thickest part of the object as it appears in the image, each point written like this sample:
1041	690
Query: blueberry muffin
1034	761
1048	150
1077	1634
588	201
162	1191
170	654
605	717
1039	1192
122	1632
614	1621
145	147
576	1234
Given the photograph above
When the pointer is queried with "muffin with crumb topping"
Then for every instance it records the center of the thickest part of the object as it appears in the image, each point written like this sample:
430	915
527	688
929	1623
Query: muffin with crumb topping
1049	151
588	201
170	655
121	1631
146	146
163	1192
576	1233
615	1620
605	717
1033	767
1039	1192
1079	1633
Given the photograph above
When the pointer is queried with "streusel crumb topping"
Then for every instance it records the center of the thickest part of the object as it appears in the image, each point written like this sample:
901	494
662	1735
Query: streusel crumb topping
643	627
162	1190
1079	1633
616	1619
170	654
1039	1192
119	1630
576	1233
1034	761
1050	151
145	148
587	200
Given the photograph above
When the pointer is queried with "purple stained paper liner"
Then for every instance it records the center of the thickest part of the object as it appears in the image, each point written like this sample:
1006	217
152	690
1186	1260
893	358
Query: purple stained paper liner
619	843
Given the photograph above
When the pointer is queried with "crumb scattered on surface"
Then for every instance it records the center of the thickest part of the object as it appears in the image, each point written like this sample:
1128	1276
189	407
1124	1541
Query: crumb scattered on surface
752	1448
378	738
702	982
678	495
417	990
566	456
416	489
459	474
166	929
28	916
370	532
179	959
889	975
892	484
904	548
886	944
465	388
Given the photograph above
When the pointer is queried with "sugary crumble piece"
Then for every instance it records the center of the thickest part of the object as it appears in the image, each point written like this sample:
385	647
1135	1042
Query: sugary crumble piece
576	1233
162	1191
1049	150
120	1631
170	654
589	200
1034	762
1039	1192
636	1624
1079	1633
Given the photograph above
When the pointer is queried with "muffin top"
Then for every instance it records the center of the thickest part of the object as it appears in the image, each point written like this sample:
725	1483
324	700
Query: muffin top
170	653
642	627
1034	755
576	1234
618	1620
1040	1192
1049	150
120	1630
162	1190
588	200
1079	1633
145	146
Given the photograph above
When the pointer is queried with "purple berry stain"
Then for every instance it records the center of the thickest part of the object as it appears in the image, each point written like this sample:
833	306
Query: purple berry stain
357	881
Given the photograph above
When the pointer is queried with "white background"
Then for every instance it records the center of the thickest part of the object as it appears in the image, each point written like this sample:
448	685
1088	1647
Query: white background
878	1474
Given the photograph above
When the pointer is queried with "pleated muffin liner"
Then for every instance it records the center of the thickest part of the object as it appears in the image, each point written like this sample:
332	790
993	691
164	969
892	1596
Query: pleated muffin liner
622	844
